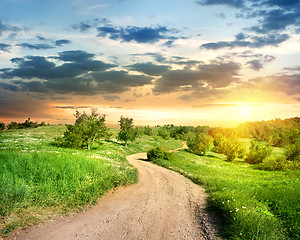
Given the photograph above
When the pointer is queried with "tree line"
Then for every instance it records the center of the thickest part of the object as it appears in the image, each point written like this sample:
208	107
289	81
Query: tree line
21	125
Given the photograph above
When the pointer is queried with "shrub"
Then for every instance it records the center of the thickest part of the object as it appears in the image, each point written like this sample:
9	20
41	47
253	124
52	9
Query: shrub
258	152
163	132
292	151
231	147
199	143
158	153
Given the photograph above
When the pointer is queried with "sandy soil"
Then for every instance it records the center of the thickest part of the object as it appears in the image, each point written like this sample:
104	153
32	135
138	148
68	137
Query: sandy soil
162	205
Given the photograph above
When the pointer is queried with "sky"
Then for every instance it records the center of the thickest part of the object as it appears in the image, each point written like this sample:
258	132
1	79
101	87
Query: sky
192	62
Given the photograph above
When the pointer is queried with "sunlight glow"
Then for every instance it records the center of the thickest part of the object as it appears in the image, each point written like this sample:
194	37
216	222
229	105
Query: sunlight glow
244	111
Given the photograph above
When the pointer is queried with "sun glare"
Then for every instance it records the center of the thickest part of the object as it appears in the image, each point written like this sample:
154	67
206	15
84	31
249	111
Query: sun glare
244	111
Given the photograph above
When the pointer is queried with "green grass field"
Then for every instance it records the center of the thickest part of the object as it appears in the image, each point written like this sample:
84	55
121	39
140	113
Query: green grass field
251	203
39	180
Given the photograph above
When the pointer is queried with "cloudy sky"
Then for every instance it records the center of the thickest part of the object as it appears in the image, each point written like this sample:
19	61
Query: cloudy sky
192	62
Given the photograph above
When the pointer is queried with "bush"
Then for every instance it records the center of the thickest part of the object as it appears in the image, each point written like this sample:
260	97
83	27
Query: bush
292	151
199	143
258	152
277	164
2	125
158	153
163	132
231	147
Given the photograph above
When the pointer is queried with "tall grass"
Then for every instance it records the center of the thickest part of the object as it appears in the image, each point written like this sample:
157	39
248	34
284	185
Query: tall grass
253	204
39	180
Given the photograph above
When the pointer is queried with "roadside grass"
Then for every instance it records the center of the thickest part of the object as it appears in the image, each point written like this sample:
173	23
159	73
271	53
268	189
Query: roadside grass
251	203
39	180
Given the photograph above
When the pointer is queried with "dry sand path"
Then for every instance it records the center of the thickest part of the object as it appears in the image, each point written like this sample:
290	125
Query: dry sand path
162	205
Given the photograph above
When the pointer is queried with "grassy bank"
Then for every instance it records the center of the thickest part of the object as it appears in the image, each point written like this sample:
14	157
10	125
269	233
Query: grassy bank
252	204
39	180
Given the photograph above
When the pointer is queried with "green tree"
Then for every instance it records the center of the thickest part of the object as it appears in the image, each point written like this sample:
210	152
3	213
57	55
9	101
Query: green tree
148	131
199	143
2	125
258	152
127	131
292	151
85	131
231	147
163	132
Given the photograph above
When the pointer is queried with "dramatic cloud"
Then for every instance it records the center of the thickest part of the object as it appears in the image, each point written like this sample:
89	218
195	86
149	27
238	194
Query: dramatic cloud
133	33
8	28
205	77
252	42
286	83
87	25
35	46
258	64
4	47
62	42
79	74
149	68
231	3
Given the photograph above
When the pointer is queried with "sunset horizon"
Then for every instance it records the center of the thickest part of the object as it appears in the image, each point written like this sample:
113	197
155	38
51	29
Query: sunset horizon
205	62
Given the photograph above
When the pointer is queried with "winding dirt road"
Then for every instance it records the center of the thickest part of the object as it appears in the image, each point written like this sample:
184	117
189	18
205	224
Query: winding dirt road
162	205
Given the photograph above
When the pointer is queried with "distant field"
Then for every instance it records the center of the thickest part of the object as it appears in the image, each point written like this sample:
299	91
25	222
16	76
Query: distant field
39	180
252	204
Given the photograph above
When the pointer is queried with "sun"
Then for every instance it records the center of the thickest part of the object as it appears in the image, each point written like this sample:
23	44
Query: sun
244	111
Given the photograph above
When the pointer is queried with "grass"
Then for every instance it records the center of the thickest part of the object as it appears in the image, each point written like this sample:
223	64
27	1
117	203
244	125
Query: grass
39	180
251	203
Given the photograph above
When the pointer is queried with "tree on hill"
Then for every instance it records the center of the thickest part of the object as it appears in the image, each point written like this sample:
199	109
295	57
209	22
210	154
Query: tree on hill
199	143
231	147
127	131
85	131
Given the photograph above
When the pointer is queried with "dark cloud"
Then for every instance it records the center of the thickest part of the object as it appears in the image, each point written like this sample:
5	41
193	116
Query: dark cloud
8	28
35	46
79	74
134	33
252	42
207	76
62	42
286	83
257	64
230	3
149	68
87	25
4	47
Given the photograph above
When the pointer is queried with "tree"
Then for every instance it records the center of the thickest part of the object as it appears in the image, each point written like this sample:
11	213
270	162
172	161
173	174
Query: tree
2	125
292	151
199	143
230	146
258	152
127	131
85	131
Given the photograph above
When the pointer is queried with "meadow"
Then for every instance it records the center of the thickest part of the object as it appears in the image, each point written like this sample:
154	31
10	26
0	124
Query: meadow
251	203
39	180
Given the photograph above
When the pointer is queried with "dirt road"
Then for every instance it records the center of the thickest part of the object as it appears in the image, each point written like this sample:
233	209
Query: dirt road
162	205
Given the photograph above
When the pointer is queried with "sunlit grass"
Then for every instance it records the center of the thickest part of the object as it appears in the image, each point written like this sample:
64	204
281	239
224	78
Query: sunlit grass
39	180
253	204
